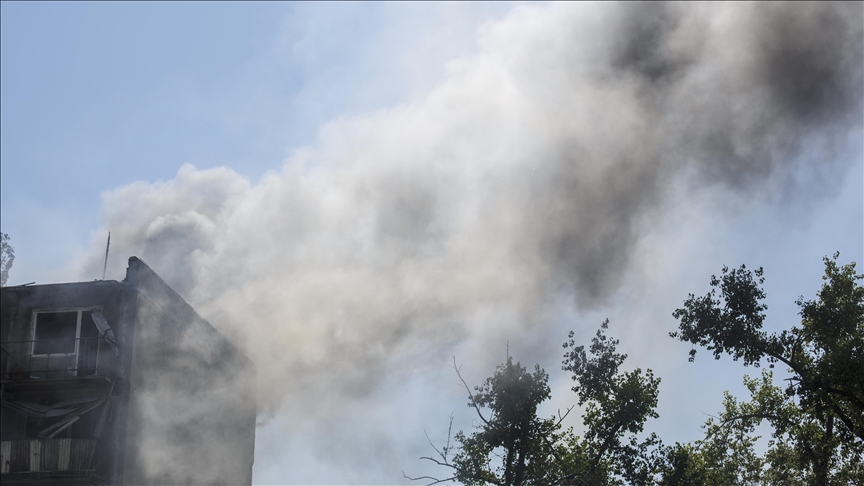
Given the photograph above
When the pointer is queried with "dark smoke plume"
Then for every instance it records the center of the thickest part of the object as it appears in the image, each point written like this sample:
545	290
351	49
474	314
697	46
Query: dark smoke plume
527	173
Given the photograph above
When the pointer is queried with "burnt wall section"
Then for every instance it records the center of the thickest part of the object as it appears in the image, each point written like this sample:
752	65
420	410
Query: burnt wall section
61	393
148	390
192	410
18	311
19	303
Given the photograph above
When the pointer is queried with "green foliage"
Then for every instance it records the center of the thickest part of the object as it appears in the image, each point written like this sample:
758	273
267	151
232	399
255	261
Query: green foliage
682	466
512	432
818	420
800	452
512	446
7	256
616	403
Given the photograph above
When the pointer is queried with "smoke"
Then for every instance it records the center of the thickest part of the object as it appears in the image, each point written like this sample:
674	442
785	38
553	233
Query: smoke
526	174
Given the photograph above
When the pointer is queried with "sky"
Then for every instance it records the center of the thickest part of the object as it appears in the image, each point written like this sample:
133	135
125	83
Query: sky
360	193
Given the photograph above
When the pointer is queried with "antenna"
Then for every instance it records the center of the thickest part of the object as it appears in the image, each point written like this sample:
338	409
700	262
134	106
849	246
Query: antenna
105	267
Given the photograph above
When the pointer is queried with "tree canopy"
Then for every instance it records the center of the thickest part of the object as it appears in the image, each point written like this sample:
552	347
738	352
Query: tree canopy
616	403
7	256
816	420
512	446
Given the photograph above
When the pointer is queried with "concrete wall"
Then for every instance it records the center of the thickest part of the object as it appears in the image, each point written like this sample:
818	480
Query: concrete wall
192	393
183	397
18	303
28	384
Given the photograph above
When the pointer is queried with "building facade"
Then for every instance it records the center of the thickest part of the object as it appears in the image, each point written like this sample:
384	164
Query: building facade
120	383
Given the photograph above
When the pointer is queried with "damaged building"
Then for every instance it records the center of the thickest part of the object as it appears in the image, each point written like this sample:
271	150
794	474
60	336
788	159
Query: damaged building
122	383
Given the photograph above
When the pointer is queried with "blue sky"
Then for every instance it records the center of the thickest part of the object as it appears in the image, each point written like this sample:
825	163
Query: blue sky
394	153
105	83
130	91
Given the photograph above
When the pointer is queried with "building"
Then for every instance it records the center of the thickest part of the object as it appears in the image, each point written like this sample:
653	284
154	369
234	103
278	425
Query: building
122	383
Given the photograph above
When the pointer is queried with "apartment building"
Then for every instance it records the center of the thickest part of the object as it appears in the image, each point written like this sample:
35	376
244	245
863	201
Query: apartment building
122	383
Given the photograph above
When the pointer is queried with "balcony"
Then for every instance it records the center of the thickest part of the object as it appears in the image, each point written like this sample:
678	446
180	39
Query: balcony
58	359
38	459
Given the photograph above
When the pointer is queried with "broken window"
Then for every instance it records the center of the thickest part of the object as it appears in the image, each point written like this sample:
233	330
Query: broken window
59	332
69	340
56	332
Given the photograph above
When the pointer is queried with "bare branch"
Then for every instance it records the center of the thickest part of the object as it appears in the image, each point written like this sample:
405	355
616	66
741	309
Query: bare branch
562	417
442	454
428	478
453	478
468	389
449	434
436	461
753	415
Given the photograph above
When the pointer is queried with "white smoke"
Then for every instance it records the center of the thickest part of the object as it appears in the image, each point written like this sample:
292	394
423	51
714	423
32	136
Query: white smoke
527	174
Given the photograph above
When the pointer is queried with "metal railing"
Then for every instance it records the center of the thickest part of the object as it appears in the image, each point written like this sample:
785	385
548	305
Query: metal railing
55	359
43	458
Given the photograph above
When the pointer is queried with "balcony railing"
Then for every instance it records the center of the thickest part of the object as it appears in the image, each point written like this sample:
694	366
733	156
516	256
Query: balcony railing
43	458
56	359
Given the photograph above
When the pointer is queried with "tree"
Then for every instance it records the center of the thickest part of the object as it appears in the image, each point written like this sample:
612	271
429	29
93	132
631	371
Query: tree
726	455
7	256
616	403
818	420
512	446
513	428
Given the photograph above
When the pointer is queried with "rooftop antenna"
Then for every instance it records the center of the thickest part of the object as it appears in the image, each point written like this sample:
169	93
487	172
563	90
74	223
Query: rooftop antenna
105	266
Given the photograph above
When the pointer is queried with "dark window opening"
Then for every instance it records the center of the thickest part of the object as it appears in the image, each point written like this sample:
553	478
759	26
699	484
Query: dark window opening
67	342
56	332
88	327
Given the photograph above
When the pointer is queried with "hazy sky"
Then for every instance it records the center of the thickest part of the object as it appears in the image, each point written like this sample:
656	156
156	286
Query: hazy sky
357	193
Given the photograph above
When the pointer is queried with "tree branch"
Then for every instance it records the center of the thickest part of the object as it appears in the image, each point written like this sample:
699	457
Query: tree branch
725	423
574	475
434	480
468	389
436	461
596	460
442	454
847	421
562	417
804	377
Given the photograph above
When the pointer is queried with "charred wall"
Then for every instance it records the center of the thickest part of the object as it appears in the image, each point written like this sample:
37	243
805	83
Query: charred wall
19	303
59	400
166	398
192	403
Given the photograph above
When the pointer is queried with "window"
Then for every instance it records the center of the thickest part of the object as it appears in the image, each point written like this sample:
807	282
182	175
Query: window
61	332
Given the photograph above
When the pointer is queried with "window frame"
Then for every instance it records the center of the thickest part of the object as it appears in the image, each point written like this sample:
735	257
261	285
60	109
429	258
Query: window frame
57	310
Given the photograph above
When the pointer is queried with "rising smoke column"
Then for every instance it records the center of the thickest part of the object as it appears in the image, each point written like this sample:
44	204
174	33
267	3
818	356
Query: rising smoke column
522	176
